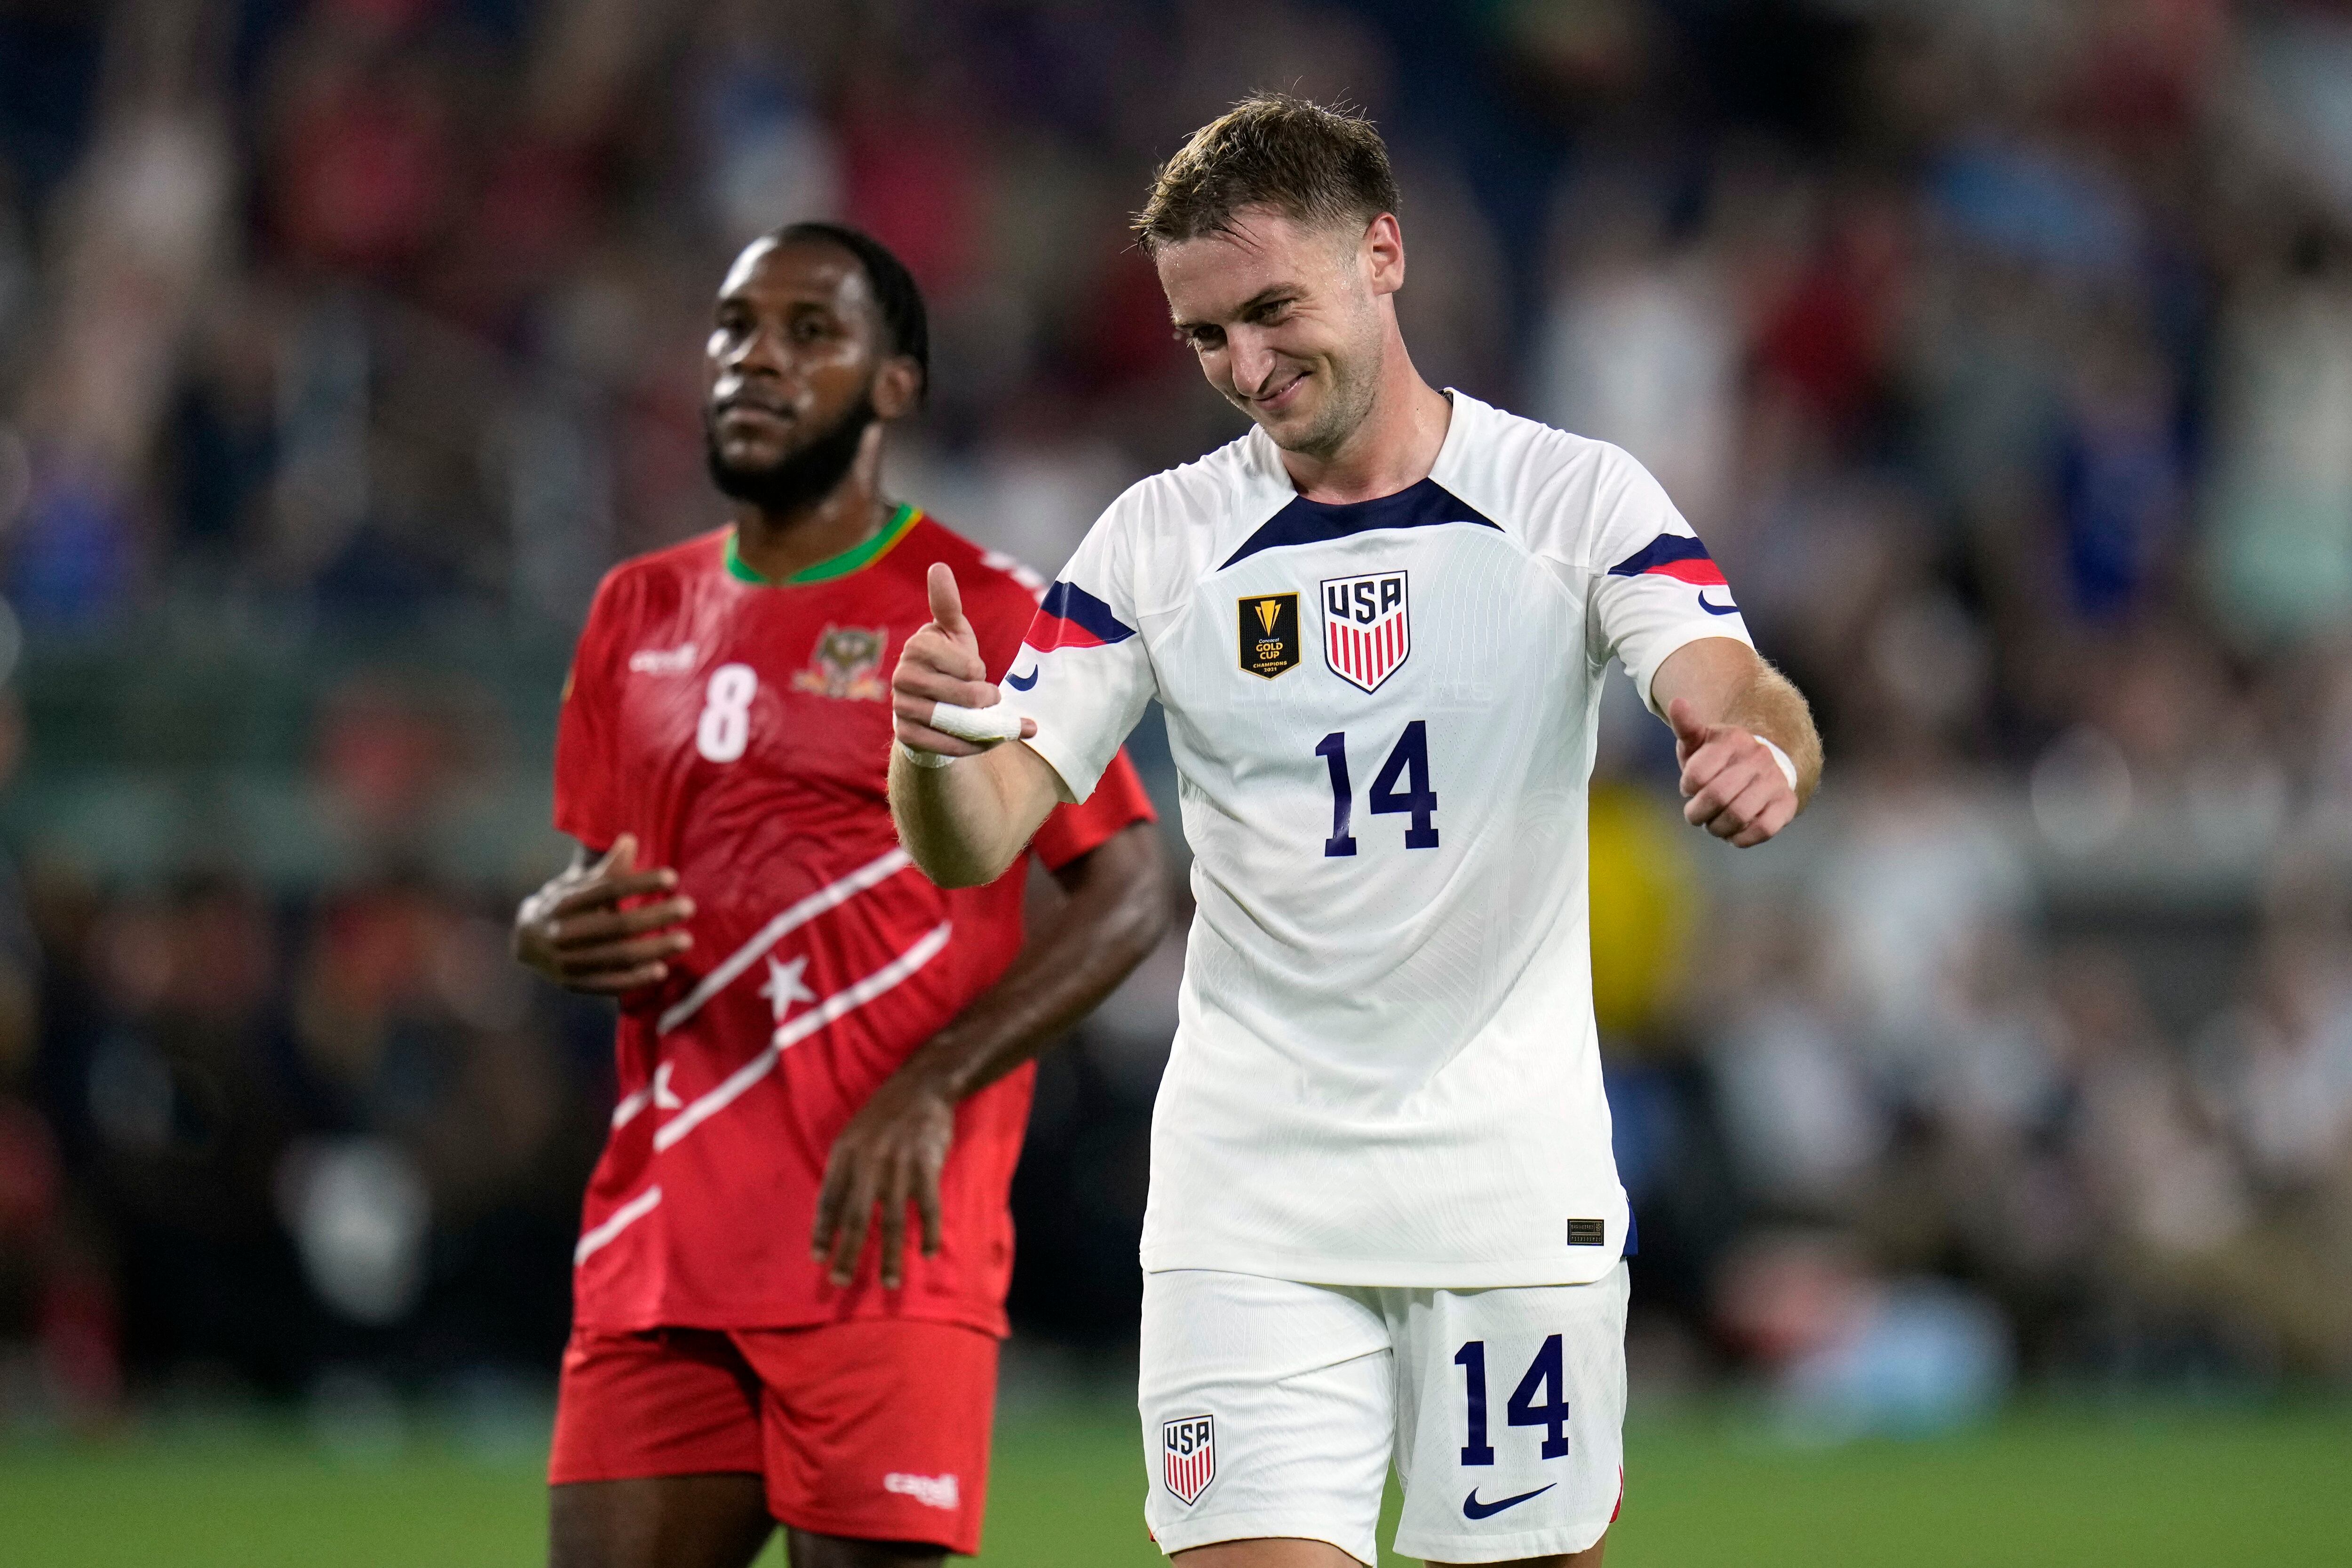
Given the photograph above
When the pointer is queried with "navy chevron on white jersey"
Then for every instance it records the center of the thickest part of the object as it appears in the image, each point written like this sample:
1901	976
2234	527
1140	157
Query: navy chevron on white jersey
1385	1070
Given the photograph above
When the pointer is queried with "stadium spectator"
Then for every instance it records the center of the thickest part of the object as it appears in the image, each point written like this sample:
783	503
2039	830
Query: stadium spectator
2004	360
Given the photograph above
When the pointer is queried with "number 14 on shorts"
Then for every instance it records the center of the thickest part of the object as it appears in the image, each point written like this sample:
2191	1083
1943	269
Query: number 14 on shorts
1539	1400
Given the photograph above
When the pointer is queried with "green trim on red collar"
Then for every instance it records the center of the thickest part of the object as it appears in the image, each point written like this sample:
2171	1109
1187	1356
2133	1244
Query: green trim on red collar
857	558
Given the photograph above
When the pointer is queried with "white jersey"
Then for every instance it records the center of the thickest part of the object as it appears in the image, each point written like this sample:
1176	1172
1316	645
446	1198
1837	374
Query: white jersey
1385	1070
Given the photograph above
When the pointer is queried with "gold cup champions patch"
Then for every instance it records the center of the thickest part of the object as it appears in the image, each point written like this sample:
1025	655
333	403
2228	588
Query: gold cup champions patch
1269	633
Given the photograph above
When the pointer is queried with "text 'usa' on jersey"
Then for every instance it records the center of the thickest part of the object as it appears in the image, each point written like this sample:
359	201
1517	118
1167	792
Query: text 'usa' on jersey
1382	714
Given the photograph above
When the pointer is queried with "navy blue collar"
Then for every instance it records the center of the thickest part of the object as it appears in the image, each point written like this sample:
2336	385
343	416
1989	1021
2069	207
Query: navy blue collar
1425	505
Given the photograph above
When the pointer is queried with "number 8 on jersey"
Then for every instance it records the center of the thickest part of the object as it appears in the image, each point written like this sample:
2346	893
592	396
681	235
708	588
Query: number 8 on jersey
725	727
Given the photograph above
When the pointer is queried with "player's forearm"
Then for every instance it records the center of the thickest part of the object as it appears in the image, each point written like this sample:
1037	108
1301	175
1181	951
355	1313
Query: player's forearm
1726	682
1767	703
1117	911
965	824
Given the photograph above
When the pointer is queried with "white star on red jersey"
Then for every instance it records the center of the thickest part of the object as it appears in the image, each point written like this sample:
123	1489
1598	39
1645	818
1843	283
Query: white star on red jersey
783	987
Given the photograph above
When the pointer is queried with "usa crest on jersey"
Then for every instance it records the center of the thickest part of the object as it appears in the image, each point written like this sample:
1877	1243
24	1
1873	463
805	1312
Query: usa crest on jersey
1367	627
1188	1455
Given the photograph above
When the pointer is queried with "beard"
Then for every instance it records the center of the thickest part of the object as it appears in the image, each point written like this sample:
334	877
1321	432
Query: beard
1354	376
802	477
1346	404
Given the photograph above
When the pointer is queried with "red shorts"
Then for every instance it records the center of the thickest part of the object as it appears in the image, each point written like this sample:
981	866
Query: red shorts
874	1430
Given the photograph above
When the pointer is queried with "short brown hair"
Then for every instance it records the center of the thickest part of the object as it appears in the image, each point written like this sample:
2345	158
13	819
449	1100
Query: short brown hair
1313	164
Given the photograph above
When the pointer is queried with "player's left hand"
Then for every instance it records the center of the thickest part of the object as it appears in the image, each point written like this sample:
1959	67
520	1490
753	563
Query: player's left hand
1732	786
890	1154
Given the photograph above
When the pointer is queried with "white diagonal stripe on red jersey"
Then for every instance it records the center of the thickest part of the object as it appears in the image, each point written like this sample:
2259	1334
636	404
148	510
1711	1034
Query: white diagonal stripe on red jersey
833	894
838	1005
619	1220
627	1111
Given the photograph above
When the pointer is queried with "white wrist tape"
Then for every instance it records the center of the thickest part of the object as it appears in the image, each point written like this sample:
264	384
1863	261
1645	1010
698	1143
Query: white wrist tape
923	759
978	725
1788	768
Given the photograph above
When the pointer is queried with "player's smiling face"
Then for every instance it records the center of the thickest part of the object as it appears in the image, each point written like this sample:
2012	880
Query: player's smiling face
1286	320
793	355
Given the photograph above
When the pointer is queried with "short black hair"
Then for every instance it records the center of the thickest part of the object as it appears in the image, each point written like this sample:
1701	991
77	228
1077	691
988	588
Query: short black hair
895	296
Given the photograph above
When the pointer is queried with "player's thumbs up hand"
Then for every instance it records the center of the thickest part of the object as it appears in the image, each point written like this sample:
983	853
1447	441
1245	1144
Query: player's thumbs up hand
947	605
1732	785
1689	733
942	664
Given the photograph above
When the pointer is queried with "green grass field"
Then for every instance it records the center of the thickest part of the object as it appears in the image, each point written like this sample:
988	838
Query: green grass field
2170	1486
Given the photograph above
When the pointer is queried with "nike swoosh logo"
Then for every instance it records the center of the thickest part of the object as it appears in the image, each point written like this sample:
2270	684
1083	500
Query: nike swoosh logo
1716	609
1018	684
1472	1509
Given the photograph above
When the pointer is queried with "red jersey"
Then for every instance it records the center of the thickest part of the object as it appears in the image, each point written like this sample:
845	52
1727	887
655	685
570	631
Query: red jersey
740	728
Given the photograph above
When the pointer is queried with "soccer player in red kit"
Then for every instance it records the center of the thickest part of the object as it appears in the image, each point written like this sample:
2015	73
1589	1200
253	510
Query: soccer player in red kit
811	1035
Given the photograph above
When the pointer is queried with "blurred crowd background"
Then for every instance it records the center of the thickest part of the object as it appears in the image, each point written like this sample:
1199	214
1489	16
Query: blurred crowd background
2001	350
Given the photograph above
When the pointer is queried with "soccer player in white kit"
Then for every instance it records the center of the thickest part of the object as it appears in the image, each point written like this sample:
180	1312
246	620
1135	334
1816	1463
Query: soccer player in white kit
1384	1220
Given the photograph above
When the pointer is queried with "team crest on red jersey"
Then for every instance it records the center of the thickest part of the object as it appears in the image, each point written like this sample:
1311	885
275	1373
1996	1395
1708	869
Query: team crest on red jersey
1367	627
1188	1455
847	665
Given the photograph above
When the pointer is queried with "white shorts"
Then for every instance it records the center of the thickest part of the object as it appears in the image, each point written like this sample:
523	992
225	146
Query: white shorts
1274	1408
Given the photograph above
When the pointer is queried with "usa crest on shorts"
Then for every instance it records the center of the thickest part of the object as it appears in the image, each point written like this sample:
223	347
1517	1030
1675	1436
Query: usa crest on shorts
1367	627
1188	1455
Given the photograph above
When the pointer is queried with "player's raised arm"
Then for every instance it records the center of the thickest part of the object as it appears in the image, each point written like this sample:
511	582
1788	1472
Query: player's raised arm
964	807
1743	736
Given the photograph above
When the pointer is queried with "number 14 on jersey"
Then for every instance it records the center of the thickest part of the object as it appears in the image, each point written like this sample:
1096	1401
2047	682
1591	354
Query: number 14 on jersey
1408	760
